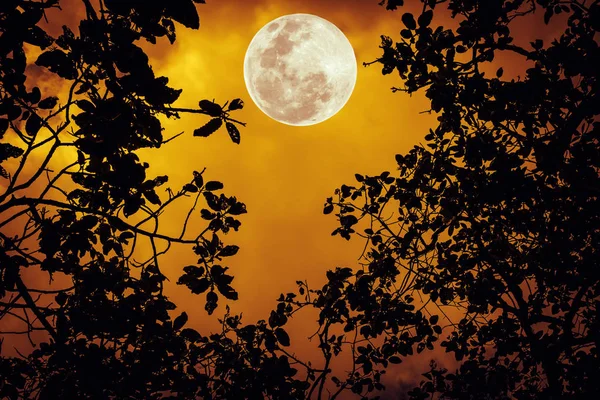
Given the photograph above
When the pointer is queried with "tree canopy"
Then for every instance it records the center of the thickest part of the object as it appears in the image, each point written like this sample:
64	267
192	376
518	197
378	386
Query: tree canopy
483	242
496	216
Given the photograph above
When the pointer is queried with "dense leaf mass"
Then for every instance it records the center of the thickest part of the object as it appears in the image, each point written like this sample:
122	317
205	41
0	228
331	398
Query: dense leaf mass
496	218
108	327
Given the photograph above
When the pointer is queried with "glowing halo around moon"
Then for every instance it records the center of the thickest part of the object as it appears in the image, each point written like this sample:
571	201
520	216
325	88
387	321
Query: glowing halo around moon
300	69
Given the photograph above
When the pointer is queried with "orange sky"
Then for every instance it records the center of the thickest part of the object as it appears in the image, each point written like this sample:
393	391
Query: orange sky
282	173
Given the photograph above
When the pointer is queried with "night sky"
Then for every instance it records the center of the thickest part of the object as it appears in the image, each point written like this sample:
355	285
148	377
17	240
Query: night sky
282	173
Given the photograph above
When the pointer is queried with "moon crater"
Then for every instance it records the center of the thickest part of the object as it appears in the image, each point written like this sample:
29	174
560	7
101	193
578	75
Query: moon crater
300	69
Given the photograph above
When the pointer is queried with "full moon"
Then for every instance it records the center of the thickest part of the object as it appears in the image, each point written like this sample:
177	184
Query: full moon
300	69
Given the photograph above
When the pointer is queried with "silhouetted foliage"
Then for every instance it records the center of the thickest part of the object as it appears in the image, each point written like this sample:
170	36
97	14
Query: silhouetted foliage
484	240
495	219
109	331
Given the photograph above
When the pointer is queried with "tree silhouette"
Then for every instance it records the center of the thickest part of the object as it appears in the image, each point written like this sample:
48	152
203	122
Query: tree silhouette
484	240
495	218
109	333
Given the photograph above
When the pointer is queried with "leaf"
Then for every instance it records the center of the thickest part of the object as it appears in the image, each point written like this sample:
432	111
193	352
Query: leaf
348	220
548	14
328	209
211	302
236	104
198	179
126	235
499	73
86	105
58	62
206	214
38	37
234	133
223	280
213	185
88	221
282	337
152	197
3	126
425	18
33	125
13	112
132	206
406	34
48	103
170	29
237	209
184	12
274	319
229	251
191	335
392	4
211	127
212	109
216	270
409	21
190	188
180	321
212	201
269	341
161	180
61	298
394	360
199	286
228	292
537	44
35	96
